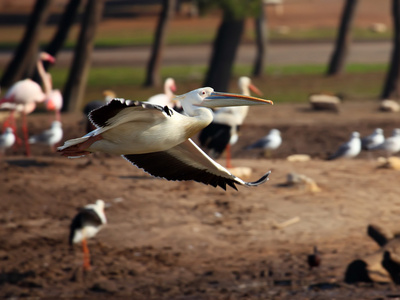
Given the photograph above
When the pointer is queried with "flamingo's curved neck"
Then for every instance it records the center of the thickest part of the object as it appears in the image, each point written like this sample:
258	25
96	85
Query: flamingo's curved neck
44	76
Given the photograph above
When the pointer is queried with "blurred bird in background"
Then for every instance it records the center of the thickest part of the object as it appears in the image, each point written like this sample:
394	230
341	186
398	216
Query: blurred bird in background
50	137
7	139
349	149
85	225
374	139
268	143
392	144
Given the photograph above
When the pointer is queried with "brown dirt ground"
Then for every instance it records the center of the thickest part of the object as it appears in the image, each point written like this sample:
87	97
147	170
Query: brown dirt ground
186	240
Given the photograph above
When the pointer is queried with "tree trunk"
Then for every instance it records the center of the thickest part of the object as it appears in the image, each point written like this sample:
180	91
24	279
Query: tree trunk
392	84
338	58
225	47
153	77
77	79
261	43
26	54
60	36
64	26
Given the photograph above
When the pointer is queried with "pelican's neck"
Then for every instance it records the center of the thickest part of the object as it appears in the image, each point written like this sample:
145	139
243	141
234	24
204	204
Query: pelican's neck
203	114
44	76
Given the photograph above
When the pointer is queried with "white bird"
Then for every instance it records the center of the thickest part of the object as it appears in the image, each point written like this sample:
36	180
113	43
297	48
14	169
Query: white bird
166	99
7	139
350	149
374	139
49	137
222	133
92	105
157	139
392	144
269	142
85	225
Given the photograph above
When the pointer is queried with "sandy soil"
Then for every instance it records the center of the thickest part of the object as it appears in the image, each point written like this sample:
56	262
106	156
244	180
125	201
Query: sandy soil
186	240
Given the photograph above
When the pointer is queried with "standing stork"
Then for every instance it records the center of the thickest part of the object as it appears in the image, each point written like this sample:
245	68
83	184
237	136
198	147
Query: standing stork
23	96
222	133
85	225
157	139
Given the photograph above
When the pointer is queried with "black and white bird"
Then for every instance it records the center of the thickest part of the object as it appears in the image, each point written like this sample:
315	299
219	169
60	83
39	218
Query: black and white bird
349	149
268	143
92	105
85	225
7	139
157	139
222	133
49	137
392	144
374	139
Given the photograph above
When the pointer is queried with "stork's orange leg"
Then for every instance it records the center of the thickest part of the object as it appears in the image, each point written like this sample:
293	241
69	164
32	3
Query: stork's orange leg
86	256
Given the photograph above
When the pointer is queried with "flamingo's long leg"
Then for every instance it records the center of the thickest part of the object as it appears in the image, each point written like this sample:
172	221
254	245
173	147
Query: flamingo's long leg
26	135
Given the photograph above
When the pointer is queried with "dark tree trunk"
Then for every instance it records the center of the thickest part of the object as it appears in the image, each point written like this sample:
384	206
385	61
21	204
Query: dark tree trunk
261	43
66	21
26	54
77	79
225	47
392	84
338	58
153	77
60	36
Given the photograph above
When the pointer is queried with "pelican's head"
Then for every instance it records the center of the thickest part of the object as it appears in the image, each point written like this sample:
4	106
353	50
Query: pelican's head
207	97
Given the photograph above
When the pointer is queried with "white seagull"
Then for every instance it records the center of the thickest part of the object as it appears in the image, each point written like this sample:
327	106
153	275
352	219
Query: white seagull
222	133
350	149
269	142
49	137
392	144
374	139
157	139
85	225
7	139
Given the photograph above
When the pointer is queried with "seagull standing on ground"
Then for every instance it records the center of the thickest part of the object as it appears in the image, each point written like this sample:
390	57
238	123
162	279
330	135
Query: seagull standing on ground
7	139
350	149
157	139
392	144
268	143
85	225
50	136
374	139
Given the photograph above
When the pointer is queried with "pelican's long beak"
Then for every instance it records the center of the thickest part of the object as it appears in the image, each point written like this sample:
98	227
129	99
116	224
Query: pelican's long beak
217	99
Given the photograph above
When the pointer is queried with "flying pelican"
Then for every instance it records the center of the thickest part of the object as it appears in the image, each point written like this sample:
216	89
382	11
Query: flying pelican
23	96
157	139
269	142
223	131
349	149
85	225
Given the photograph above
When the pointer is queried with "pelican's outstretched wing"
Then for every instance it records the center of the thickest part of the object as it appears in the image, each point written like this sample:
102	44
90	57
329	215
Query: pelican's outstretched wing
187	161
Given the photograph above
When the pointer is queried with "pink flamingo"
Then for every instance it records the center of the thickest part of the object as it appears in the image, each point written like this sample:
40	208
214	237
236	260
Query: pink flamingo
54	101
23	96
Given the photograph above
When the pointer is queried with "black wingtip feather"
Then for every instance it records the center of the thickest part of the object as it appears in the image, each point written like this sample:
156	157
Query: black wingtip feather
263	179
